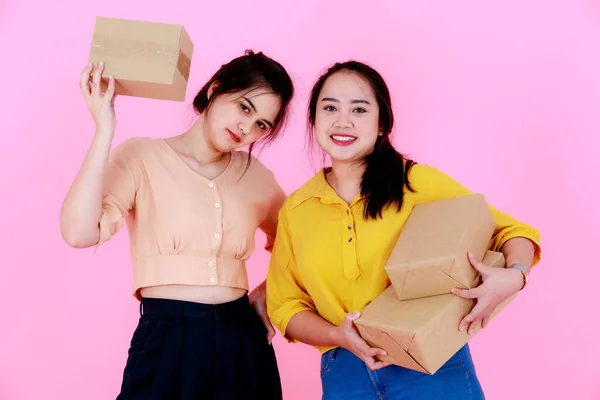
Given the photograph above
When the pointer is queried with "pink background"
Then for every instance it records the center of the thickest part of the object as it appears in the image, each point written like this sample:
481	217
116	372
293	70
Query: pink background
479	88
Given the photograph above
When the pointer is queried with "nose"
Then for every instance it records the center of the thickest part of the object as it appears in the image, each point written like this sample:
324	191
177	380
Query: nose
343	120
244	128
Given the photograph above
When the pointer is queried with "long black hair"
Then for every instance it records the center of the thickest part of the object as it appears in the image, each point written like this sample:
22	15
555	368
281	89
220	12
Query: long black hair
252	70
386	172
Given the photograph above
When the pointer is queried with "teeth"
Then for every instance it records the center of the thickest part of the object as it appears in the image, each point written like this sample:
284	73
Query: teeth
343	138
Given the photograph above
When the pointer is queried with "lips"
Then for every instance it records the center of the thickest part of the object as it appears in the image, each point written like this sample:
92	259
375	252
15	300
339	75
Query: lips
343	139
234	137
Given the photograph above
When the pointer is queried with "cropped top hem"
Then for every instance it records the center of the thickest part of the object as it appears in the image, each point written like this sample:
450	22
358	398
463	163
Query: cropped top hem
173	269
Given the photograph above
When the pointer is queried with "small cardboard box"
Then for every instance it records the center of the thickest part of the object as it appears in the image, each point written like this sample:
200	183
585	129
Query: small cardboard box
430	256
147	59
421	334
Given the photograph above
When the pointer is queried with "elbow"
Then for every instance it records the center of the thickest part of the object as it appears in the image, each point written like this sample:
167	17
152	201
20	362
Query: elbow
76	238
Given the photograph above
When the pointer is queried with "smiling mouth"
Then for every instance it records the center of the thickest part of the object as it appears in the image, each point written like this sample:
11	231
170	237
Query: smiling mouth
343	140
234	137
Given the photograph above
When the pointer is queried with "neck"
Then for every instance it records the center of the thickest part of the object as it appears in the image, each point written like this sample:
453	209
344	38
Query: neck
199	145
346	178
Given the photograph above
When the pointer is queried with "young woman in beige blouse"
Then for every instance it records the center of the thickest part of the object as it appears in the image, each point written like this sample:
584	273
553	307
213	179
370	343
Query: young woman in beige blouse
192	204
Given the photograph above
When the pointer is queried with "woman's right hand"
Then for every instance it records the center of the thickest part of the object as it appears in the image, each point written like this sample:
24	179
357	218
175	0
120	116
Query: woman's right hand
101	105
348	337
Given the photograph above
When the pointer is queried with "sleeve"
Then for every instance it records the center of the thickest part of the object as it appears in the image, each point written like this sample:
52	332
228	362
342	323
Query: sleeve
120	187
286	295
269	224
431	184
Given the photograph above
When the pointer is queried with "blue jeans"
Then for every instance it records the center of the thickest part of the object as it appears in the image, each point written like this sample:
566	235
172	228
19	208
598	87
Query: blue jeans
345	376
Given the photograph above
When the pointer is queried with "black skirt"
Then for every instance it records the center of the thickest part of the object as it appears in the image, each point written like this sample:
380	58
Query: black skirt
184	350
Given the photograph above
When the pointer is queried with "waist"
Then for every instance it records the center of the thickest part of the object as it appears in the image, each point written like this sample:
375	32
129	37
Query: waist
177	309
196	294
186	270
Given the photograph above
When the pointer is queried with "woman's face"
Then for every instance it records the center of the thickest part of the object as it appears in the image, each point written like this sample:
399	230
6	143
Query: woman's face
236	120
347	117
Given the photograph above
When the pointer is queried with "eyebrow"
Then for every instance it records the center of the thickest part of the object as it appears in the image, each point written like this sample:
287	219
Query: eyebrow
254	108
355	101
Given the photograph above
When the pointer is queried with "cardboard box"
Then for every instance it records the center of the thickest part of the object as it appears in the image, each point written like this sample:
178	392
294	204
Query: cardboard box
147	59
430	256
421	334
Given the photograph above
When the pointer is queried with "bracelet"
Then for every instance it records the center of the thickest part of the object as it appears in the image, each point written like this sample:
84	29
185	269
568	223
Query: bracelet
524	272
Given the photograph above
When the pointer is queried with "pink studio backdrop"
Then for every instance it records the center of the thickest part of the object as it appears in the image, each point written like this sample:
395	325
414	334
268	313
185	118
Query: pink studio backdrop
504	96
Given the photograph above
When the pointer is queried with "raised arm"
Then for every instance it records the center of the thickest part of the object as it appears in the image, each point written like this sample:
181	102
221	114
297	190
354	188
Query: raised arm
87	209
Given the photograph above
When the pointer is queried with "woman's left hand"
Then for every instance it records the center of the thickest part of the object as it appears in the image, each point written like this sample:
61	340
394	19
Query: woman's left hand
498	284
258	300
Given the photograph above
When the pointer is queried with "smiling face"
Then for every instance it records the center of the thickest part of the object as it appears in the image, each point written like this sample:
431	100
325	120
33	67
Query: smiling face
236	120
347	117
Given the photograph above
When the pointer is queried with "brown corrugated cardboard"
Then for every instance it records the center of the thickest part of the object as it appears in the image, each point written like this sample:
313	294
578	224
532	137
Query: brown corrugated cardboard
421	334
147	59
430	256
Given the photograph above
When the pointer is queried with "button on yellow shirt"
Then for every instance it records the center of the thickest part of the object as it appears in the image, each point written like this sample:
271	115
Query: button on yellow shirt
330	260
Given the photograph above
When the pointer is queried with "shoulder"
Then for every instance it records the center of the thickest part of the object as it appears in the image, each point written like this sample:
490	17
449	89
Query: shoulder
423	175
134	147
311	188
256	174
254	164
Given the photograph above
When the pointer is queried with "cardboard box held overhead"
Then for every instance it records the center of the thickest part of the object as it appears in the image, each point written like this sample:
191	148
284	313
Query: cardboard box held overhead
430	257
421	334
147	59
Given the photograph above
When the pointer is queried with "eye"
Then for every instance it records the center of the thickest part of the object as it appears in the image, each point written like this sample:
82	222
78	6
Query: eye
244	108
359	110
261	125
329	108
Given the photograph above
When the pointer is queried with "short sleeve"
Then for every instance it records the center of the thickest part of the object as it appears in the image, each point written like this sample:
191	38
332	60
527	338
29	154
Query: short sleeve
286	295
120	187
431	184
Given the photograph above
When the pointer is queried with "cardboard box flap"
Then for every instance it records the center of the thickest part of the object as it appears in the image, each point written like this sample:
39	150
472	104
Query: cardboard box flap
434	275
396	354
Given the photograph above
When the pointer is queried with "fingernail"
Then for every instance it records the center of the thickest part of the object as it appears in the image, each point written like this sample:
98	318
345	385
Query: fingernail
454	291
383	353
461	328
102	63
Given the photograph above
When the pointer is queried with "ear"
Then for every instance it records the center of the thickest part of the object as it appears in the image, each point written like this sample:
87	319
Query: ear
212	88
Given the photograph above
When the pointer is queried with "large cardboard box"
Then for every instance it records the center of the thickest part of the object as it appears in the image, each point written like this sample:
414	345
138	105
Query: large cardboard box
421	334
430	256
147	59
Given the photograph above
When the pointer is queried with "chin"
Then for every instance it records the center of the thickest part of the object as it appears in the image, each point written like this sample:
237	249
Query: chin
343	156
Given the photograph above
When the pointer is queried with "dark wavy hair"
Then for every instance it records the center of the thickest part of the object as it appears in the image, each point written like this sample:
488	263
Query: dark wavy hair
252	70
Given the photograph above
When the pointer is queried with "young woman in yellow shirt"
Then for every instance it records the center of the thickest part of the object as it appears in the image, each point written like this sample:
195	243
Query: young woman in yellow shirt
336	232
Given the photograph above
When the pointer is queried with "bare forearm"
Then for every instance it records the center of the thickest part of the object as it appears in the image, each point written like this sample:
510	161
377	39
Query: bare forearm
309	328
82	207
518	250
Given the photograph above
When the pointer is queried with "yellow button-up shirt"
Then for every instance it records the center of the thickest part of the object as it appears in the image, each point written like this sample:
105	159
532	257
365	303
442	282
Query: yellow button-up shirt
328	259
